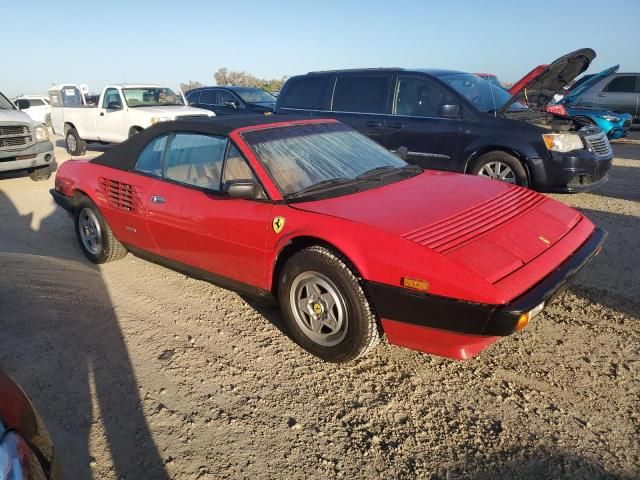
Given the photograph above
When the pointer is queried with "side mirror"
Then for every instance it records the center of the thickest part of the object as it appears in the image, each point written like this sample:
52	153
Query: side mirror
449	111
114	106
402	152
23	104
231	103
247	189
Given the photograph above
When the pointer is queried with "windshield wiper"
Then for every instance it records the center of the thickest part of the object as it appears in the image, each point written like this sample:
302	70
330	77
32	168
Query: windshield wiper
376	171
320	186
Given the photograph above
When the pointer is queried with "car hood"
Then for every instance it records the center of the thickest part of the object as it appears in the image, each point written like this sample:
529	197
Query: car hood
538	87
174	111
15	116
574	95
492	228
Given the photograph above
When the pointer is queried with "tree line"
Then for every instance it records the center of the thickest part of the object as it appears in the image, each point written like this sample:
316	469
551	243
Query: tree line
238	78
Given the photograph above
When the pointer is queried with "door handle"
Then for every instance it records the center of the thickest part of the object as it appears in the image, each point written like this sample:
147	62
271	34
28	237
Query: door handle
157	199
374	124
395	125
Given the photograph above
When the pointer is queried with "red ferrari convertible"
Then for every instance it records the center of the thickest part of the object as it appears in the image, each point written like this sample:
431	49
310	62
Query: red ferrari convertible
349	239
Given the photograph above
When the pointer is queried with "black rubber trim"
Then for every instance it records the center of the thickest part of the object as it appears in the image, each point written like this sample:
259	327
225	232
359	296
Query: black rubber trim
200	274
416	308
62	200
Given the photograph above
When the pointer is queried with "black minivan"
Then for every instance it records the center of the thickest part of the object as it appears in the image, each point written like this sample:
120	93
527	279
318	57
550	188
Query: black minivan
457	121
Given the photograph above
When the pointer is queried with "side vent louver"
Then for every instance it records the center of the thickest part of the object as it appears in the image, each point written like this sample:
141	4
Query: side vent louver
119	195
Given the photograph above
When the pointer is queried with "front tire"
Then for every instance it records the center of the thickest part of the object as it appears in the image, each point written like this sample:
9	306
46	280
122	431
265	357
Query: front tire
94	235
40	174
324	306
75	145
501	166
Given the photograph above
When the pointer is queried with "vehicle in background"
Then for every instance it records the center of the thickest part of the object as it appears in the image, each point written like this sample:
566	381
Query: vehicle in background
619	92
121	112
344	235
232	100
26	449
614	124
36	106
491	78
24	143
460	122
92	99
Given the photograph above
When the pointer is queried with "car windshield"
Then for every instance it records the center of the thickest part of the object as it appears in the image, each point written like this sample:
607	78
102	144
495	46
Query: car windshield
484	95
150	97
254	95
5	104
299	157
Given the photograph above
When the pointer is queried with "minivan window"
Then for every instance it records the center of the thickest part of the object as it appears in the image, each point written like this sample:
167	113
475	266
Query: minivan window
625	84
193	97
225	96
418	97
362	94
485	96
307	92
209	97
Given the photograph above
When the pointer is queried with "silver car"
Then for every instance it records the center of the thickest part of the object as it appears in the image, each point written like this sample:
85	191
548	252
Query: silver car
619	92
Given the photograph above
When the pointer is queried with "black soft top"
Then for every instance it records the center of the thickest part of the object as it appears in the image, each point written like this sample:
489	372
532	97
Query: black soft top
125	155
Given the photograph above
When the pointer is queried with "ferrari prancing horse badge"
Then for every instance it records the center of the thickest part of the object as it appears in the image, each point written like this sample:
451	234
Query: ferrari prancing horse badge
278	224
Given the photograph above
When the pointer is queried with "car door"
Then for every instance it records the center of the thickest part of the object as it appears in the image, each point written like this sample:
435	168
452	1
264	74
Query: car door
419	122
194	224
621	94
111	120
361	100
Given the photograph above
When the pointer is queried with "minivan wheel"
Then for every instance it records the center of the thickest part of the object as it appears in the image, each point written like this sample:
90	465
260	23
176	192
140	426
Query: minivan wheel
501	166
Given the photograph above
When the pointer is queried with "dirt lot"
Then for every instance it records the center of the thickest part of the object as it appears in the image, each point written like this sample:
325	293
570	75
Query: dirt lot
141	372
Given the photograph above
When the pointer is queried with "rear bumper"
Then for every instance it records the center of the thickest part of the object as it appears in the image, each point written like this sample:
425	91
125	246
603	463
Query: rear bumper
459	329
62	200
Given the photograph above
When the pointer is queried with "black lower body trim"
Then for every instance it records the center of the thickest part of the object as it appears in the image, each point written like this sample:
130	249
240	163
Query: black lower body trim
396	303
62	200
205	275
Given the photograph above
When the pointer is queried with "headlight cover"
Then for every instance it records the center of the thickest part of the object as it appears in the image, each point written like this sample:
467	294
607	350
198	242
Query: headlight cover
42	134
562	142
159	119
611	118
17	460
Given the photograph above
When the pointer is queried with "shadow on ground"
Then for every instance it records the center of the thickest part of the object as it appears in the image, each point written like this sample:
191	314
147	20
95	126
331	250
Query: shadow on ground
62	342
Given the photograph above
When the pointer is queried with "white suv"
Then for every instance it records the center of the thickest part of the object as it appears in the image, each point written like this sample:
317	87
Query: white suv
36	106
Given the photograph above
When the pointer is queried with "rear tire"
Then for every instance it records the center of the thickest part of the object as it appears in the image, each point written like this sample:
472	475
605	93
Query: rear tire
324	306
40	174
75	145
501	166
94	235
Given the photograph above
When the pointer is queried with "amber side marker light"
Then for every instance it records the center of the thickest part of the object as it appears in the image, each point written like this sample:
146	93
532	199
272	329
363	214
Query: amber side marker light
524	318
415	284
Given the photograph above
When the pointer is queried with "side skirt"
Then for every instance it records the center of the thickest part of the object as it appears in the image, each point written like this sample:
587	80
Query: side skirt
205	275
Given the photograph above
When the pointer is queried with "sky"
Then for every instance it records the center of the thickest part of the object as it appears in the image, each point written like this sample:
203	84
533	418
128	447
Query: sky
102	42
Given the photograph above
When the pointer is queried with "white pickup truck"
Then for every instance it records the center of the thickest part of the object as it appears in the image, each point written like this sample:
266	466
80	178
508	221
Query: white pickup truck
121	111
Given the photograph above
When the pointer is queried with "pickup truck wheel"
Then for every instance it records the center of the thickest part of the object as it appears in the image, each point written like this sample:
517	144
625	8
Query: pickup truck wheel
94	235
324	306
134	131
40	174
501	166
75	145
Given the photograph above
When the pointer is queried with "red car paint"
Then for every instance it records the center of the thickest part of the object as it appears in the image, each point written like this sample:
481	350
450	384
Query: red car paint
526	79
472	239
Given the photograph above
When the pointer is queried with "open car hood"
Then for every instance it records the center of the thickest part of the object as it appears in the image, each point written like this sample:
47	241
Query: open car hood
492	228
574	95
538	87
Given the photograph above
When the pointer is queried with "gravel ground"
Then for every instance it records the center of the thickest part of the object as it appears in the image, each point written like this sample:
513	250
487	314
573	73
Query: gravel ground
140	372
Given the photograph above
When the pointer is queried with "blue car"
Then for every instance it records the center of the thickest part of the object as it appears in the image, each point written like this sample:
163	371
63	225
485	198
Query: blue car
614	124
